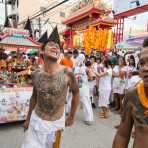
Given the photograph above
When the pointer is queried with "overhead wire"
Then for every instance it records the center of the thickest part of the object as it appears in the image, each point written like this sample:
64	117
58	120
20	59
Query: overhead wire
45	11
52	13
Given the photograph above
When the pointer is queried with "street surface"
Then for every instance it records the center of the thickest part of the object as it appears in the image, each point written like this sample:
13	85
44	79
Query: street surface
99	135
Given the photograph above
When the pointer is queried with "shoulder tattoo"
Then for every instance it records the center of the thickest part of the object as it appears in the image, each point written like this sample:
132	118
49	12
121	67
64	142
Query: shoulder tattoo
126	106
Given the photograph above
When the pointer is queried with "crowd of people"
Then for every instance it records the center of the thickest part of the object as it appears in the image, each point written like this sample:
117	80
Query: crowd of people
16	66
103	79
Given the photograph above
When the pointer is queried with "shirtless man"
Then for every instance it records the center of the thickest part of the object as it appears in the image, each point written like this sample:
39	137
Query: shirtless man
46	116
135	110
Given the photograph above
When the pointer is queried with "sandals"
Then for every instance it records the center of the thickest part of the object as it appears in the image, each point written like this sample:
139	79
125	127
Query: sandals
106	113
102	114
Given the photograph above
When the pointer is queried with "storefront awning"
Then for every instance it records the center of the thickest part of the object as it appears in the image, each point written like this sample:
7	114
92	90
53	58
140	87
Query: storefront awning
19	41
125	45
136	40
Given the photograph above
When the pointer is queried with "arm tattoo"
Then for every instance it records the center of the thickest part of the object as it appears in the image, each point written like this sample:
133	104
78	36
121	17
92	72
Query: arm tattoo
73	83
126	106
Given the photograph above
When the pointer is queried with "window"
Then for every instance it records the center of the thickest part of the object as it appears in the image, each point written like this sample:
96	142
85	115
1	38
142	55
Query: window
134	3
62	14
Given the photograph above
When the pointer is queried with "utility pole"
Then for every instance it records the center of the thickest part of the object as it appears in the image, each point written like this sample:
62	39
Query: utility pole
6	10
39	19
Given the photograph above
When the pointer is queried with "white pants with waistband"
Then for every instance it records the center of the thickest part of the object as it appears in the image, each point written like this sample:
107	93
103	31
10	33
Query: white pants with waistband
43	134
36	139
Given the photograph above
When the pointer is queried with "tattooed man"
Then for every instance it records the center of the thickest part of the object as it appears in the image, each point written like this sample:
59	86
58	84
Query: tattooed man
135	112
46	116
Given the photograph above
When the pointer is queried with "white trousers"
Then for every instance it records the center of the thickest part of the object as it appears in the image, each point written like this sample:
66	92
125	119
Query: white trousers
86	103
36	139
91	89
68	104
104	96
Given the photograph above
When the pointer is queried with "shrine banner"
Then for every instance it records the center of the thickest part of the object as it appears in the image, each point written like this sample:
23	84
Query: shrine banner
99	40
14	104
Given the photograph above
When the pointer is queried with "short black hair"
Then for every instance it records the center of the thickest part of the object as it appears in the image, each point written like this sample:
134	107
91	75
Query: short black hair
87	63
75	51
133	58
145	43
92	57
69	52
107	63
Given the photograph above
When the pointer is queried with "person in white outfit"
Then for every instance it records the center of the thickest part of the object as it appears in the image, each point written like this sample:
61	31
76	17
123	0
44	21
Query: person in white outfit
82	79
119	82
132	74
105	78
92	83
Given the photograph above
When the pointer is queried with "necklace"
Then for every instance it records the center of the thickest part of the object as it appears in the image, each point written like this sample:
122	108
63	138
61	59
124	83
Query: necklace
142	96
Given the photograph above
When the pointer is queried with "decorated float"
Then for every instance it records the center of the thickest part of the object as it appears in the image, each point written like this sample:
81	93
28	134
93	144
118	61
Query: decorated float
89	27
15	87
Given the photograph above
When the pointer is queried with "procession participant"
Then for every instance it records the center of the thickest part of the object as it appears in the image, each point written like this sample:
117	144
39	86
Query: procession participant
119	84
105	78
92	82
99	68
66	61
46	116
80	72
135	113
132	74
96	89
69	95
75	55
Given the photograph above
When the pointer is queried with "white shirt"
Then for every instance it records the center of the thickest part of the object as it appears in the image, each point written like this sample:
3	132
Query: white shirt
105	81
80	71
95	67
128	69
118	83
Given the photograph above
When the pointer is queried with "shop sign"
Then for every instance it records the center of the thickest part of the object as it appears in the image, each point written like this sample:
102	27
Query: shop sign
13	31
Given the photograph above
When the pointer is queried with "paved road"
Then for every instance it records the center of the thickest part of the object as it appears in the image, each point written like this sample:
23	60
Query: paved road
99	135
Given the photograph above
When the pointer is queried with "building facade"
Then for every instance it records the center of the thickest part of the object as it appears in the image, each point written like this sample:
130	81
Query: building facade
21	10
12	11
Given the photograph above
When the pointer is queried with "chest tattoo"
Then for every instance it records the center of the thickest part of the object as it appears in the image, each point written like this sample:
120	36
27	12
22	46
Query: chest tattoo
51	92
